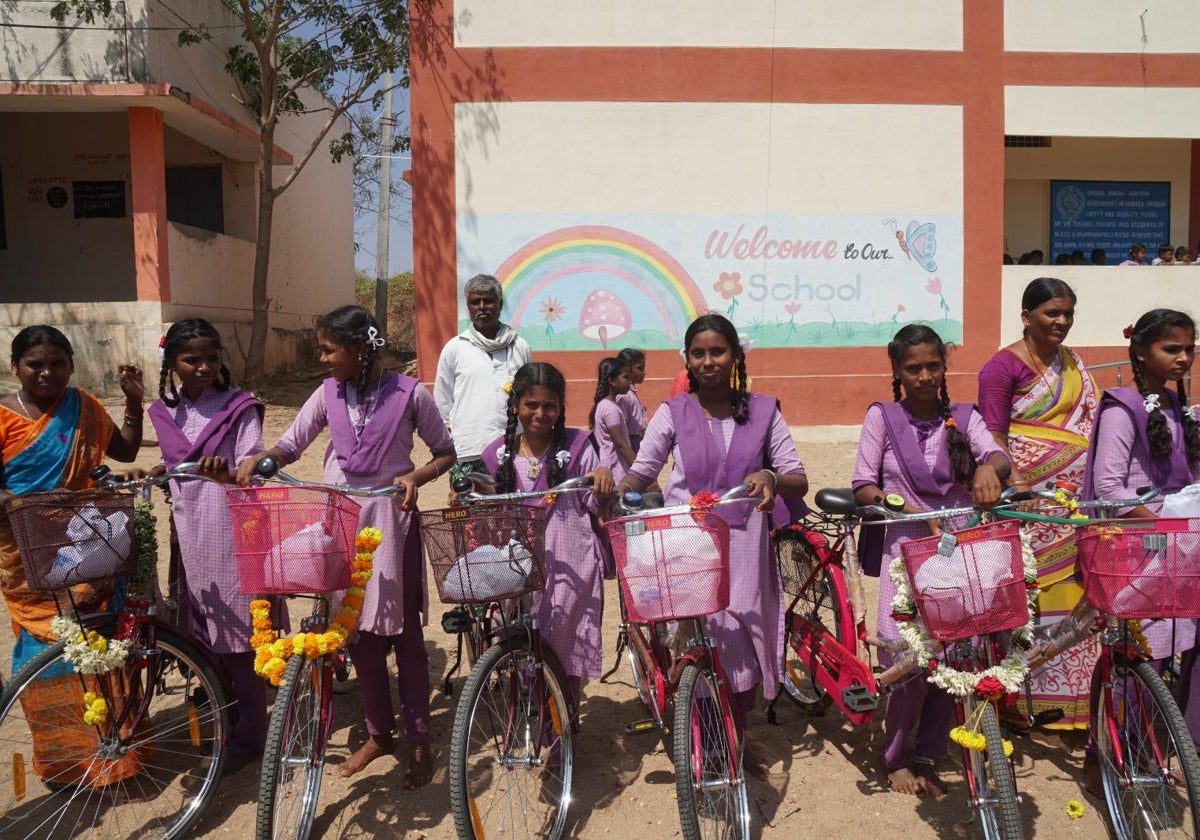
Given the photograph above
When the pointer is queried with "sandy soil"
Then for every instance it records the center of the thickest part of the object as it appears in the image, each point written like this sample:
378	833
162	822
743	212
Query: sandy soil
824	780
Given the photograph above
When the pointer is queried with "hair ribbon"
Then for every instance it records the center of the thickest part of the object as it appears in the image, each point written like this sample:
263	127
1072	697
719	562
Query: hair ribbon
374	339
1151	403
1128	331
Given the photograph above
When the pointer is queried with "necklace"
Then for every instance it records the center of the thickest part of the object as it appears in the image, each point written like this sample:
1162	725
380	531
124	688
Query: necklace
1038	366
364	409
24	407
535	461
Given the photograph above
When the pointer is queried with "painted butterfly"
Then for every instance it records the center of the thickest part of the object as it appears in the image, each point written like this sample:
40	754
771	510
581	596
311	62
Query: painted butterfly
922	244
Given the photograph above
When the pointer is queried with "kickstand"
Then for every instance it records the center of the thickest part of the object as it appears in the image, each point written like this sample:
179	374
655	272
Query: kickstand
621	643
773	718
447	688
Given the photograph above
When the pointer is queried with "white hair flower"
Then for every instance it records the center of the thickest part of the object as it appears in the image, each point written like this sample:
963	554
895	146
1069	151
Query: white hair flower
746	341
1189	411
501	454
374	338
1151	403
563	457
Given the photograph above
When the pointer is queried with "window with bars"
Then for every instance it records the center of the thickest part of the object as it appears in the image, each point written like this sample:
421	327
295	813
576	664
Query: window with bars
1026	141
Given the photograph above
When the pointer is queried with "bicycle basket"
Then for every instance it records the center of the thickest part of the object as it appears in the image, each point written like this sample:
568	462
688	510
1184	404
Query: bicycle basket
799	550
1142	568
482	553
72	536
968	582
290	540
673	565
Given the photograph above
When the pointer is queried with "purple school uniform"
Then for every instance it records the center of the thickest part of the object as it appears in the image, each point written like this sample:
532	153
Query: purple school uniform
571	606
609	419
635	415
716	454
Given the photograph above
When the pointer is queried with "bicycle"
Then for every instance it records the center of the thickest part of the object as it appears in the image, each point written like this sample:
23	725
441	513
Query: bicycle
673	570
294	540
1134	569
118	729
512	742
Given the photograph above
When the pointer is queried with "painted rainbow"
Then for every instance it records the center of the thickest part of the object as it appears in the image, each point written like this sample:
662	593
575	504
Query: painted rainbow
622	258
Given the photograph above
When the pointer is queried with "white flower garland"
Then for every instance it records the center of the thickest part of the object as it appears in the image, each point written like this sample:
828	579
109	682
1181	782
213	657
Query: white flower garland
89	653
1010	672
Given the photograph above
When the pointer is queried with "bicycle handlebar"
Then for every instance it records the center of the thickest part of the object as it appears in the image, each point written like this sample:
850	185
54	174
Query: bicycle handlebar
630	501
267	468
106	480
469	496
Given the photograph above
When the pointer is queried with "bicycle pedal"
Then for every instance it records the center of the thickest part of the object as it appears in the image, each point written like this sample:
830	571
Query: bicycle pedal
857	698
456	621
638	727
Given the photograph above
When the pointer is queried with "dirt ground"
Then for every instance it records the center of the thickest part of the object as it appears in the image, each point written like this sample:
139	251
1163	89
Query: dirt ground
824	780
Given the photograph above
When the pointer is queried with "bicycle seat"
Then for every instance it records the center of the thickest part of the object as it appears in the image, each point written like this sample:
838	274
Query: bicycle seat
836	500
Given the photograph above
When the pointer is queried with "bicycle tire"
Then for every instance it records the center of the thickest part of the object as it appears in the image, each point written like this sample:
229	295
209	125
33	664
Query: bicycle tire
294	756
1142	790
156	781
710	785
822	601
994	785
512	757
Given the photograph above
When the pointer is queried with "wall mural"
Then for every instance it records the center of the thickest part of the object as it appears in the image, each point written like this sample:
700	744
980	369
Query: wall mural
603	283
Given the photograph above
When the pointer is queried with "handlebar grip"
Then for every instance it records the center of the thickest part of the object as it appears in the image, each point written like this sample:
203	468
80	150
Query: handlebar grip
99	473
1142	491
1021	496
461	484
266	467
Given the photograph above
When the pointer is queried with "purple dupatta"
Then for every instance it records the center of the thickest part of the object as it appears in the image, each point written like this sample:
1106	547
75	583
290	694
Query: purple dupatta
176	448
355	454
1170	474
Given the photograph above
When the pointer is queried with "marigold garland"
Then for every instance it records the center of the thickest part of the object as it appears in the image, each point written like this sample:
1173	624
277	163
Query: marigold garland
969	736
271	652
89	652
1009	674
95	709
1134	627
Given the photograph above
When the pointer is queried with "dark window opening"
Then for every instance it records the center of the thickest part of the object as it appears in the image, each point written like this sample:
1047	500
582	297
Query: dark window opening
194	197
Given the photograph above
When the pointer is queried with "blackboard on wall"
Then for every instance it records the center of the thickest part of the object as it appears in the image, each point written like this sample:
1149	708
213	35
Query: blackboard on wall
98	199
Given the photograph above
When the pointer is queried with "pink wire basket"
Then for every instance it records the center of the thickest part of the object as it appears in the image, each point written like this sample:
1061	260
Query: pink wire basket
486	552
1141	568
673	565
292	539
968	582
72	536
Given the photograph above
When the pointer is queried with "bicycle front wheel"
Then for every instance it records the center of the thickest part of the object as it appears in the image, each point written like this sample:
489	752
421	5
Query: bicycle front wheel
1147	759
294	757
512	748
819	611
709	783
992	786
148	770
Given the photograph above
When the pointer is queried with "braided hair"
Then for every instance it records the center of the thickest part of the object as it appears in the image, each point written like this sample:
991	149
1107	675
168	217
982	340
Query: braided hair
962	462
175	342
351	326
608	370
739	396
533	375
1154	326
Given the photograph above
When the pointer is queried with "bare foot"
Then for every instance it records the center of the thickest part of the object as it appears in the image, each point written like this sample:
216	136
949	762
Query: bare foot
903	781
1092	781
754	764
928	780
376	746
420	767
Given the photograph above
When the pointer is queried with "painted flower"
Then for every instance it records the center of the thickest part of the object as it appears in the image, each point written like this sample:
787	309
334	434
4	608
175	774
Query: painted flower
933	286
793	307
551	309
728	284
900	307
1074	809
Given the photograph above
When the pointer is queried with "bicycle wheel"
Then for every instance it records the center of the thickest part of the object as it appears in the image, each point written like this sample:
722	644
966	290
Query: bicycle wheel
511	748
1147	759
143	774
991	783
821	603
294	757
709	783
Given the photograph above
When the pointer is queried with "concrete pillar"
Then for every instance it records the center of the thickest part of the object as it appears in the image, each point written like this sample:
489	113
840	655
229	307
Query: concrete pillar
147	175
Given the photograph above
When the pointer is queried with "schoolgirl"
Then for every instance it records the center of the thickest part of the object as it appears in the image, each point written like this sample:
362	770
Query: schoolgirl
631	404
607	419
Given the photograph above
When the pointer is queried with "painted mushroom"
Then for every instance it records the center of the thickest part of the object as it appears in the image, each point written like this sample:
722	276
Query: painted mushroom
603	317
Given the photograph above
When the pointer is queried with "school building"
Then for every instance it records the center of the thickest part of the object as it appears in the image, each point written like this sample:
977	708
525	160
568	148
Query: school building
129	191
821	172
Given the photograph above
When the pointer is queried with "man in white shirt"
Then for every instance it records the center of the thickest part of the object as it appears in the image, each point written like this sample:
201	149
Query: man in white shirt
473	372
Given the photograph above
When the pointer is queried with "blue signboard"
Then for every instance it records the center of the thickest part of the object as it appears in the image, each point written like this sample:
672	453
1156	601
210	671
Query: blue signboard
1109	214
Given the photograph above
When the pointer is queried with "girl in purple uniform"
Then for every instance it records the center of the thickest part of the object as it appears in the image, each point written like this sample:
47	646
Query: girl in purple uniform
608	422
934	454
719	435
371	415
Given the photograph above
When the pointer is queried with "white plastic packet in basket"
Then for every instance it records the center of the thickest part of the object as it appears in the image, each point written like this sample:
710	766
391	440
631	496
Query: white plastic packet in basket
690	552
1184	504
303	561
99	545
942	578
1145	569
488	571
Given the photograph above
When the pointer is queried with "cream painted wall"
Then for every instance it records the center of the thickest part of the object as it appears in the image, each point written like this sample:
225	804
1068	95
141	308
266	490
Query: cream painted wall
1110	297
51	255
69	53
861	24
1101	26
1102	111
627	157
1028	172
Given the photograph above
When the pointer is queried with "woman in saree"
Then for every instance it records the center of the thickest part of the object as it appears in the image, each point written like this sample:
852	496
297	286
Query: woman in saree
51	436
1039	401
